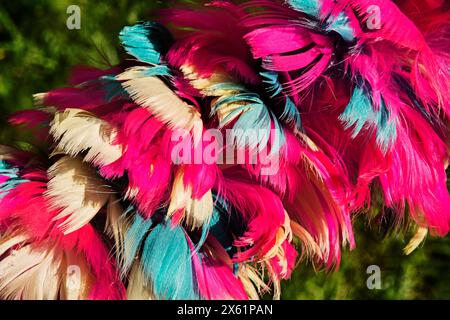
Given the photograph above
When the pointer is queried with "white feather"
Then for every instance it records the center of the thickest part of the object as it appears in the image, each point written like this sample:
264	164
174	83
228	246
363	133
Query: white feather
76	190
195	212
116	226
153	94
76	131
138	288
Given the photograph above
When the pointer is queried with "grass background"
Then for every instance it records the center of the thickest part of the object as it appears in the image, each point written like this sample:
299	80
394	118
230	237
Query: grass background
36	53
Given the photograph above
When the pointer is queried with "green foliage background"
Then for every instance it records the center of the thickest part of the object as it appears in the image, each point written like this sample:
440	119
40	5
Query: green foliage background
36	53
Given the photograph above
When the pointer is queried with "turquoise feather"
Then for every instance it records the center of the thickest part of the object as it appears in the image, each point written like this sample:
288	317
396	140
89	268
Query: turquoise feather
253	114
133	238
13	174
360	113
339	24
290	114
310	7
146	41
166	262
165	259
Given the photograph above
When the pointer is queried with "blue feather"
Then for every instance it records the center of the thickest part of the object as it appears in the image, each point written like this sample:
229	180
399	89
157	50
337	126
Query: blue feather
133	238
166	262
160	70
12	182
290	114
339	24
271	79
310	7
165	259
253	125
113	89
359	113
386	127
146	41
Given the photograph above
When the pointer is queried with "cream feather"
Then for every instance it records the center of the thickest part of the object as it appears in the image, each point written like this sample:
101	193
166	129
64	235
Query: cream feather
116	226
77	280
43	281
76	190
30	273
153	94
8	241
77	131
253	281
416	240
309	247
195	212
138	288
6	153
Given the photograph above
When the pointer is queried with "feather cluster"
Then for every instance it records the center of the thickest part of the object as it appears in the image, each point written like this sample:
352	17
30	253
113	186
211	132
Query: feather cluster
351	98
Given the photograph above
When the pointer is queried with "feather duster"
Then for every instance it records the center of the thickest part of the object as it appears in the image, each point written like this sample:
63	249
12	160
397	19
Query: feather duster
148	180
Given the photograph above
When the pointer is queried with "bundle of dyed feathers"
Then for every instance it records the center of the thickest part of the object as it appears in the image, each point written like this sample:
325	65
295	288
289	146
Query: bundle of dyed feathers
323	109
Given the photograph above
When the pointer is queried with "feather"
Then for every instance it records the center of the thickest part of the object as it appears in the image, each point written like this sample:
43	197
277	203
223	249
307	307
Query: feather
39	273
76	131
265	223
153	94
416	174
76	277
184	207
254	124
247	111
166	262
216	280
206	42
253	284
360	113
9	178
134	237
27	210
137	288
288	47
116	225
291	114
416	240
310	7
31	118
22	269
76	190
146	41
